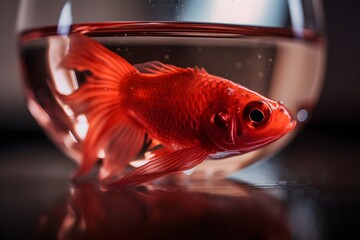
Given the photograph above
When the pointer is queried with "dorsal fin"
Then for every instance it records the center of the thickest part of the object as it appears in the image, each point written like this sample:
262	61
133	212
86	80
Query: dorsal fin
87	54
158	68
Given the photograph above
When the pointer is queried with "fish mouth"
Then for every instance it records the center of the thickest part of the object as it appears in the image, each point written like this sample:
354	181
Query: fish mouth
290	126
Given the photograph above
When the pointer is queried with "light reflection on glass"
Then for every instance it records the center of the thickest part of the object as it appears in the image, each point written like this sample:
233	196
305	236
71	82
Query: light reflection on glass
81	126
237	12
65	19
297	17
302	115
189	172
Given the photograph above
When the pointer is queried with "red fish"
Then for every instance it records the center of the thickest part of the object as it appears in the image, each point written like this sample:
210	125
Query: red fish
190	112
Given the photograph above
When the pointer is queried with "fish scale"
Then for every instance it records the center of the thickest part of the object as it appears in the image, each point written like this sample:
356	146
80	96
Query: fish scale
165	114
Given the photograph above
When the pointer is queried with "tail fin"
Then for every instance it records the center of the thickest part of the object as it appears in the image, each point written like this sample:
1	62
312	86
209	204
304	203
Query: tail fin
98	98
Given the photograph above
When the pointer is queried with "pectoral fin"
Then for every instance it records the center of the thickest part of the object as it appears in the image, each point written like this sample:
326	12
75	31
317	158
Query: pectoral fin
180	160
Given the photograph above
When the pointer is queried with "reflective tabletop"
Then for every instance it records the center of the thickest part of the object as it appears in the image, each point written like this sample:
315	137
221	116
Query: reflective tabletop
308	191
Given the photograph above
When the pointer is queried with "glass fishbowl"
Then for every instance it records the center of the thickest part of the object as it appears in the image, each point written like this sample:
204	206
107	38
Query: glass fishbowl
275	48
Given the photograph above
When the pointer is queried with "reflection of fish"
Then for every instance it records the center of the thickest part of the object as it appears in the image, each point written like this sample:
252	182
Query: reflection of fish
190	112
88	213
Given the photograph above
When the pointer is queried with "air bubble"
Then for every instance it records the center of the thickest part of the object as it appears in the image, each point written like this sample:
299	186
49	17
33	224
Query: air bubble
238	64
260	74
166	57
230	91
259	56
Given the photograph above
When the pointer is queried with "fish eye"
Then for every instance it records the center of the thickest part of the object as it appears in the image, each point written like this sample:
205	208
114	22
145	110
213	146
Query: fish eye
256	114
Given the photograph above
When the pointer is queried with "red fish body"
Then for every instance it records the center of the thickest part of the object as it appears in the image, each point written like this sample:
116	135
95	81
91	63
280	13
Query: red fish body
190	112
170	105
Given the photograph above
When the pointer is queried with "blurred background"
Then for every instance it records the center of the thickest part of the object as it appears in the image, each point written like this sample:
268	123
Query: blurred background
316	191
338	108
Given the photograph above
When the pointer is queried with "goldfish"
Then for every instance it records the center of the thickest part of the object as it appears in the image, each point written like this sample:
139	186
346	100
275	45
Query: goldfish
191	113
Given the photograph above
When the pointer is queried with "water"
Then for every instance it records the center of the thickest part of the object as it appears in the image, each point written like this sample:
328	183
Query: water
269	61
